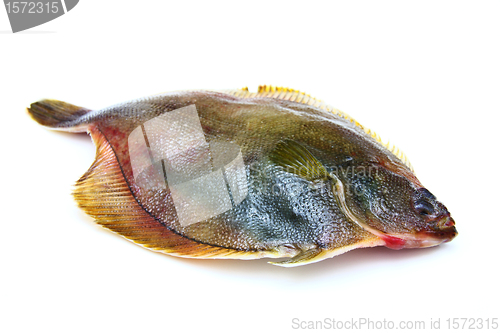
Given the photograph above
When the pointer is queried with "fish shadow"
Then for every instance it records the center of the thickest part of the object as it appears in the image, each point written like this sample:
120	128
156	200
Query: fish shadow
345	264
83	138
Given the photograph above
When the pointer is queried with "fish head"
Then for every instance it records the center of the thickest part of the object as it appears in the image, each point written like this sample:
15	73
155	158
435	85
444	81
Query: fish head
392	204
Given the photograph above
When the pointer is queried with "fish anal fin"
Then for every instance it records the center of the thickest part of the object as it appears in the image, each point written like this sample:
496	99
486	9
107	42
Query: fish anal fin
293	157
103	193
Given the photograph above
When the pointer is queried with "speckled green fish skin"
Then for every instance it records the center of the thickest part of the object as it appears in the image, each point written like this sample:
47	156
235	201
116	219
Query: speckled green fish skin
318	184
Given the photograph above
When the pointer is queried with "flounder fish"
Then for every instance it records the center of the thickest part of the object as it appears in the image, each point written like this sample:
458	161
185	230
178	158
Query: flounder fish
246	175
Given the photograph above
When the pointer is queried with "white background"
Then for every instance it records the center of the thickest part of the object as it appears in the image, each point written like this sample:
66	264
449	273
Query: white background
424	74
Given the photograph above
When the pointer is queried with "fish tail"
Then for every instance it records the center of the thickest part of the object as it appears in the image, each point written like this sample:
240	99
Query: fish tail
59	115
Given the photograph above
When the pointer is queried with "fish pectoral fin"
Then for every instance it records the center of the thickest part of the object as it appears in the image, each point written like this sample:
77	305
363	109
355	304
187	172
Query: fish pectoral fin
295	158
303	258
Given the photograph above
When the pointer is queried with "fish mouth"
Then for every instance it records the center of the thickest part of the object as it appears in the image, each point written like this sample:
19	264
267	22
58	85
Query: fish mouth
441	230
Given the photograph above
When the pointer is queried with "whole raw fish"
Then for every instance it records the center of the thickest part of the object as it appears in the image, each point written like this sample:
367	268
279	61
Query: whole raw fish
246	175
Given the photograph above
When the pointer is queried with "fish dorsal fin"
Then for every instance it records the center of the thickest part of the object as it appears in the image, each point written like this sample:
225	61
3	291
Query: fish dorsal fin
294	95
295	158
284	93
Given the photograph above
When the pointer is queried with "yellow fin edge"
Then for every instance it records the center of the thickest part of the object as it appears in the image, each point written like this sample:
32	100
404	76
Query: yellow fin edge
294	95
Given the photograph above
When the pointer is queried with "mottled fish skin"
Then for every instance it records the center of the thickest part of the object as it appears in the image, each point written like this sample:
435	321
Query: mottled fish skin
366	197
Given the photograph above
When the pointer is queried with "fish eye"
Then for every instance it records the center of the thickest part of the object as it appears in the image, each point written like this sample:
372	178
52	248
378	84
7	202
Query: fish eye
423	202
423	207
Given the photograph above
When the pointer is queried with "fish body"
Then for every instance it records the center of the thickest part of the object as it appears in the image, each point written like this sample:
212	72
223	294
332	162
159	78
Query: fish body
235	174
